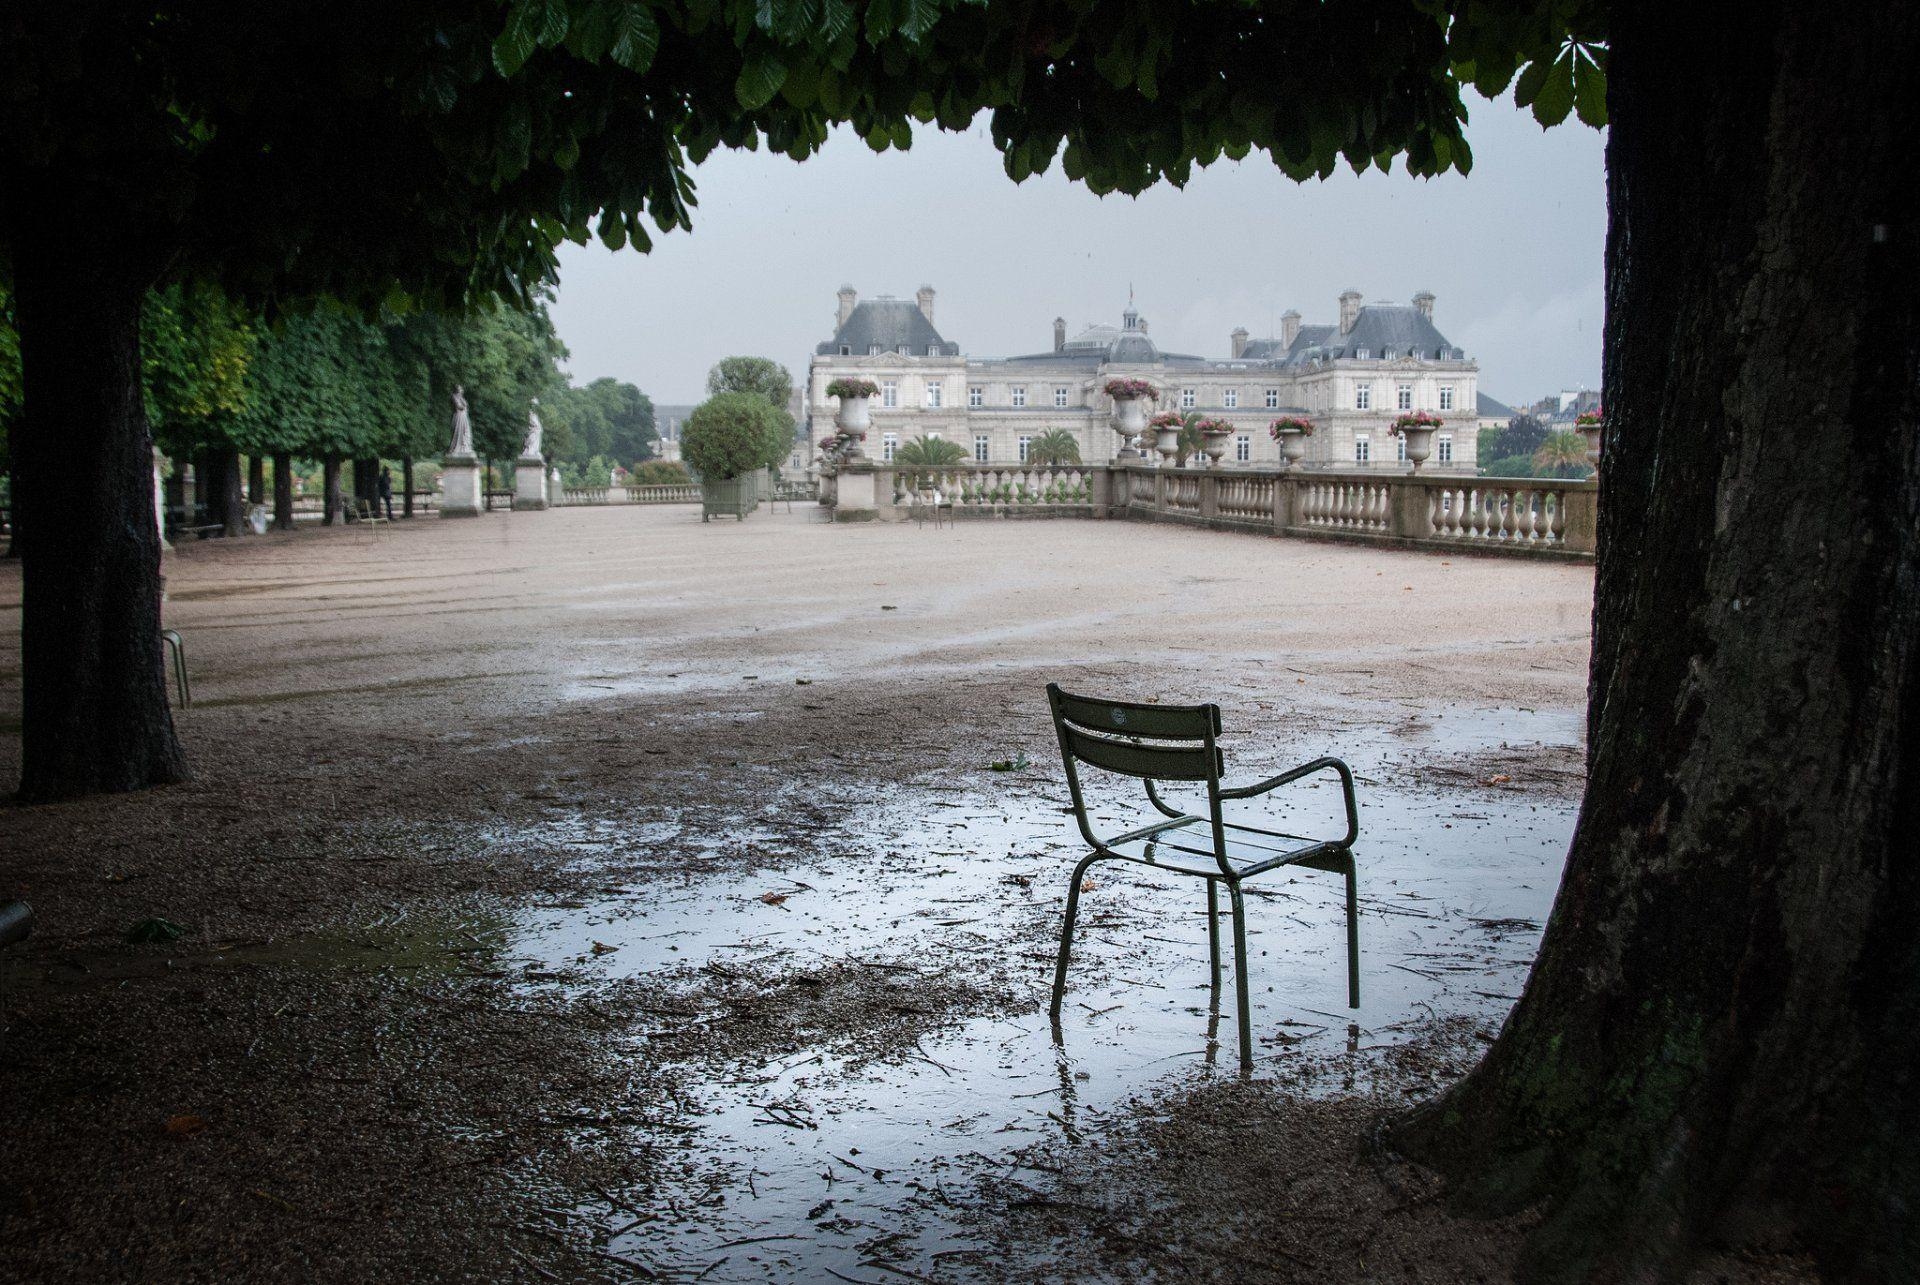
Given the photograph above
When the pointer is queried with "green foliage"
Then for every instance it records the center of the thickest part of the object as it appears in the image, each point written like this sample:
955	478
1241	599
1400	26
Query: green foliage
1522	436
1055	446
1561	455
195	346
734	433
595	472
929	451
605	418
326	383
9	370
660	473
1508	466
504	357
760	375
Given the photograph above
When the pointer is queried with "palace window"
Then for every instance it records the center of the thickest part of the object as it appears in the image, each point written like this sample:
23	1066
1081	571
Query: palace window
1273	399
1388	354
1024	443
933	396
1019	399
1186	399
1446	447
980	445
888	443
1403	398
1400	449
889	393
976	395
1446	397
1362	353
1243	448
903	350
1060	397
846	350
873	350
1230	398
1362	449
933	350
1363	396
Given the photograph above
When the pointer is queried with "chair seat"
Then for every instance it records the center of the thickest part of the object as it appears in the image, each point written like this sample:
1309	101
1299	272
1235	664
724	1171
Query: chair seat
1186	846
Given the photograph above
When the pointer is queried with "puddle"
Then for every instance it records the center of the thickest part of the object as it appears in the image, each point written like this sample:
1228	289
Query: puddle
838	1160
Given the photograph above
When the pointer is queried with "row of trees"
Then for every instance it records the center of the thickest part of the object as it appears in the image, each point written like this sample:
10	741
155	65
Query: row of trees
329	385
1529	447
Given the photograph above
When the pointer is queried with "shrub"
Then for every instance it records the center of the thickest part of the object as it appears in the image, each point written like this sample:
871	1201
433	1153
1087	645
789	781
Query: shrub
660	473
731	434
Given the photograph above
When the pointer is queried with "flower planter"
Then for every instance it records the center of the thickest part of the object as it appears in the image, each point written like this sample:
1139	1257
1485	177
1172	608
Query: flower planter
1167	442
1293	447
1419	445
1592	432
731	495
1130	421
1216	445
855	414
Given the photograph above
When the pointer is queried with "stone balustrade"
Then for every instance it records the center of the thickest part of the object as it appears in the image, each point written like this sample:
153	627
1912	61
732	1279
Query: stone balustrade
1531	516
688	493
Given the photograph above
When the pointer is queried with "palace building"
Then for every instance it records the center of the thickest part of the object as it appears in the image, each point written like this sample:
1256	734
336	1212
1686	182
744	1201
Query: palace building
1350	378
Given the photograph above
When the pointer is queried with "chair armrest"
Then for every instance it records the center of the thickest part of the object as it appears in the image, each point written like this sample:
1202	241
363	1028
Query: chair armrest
1307	769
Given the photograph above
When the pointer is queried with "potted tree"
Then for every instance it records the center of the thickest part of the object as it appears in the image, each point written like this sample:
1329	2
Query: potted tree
728	438
855	414
1417	427
1130	398
1215	434
1291	432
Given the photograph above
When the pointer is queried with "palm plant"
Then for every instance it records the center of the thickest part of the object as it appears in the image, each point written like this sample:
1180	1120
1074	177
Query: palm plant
925	453
1562	454
1055	446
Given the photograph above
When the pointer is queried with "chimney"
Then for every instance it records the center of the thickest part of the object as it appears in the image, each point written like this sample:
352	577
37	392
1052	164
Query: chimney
847	299
1059	333
1289	327
1424	302
1349	309
1237	341
925	296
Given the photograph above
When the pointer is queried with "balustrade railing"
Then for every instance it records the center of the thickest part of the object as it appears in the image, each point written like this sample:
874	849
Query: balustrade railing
990	486
678	493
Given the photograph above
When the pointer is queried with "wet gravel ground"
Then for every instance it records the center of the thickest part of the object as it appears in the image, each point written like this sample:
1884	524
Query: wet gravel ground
598	895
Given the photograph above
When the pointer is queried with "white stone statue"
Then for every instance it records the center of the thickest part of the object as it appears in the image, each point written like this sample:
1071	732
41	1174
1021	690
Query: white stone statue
462	425
531	451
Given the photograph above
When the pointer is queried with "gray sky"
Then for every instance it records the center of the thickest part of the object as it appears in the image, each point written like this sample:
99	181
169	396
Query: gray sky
1513	252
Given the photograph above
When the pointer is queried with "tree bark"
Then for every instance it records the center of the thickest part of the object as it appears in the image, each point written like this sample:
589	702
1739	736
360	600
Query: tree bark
330	490
256	479
1718	1044
282	492
406	486
94	714
226	507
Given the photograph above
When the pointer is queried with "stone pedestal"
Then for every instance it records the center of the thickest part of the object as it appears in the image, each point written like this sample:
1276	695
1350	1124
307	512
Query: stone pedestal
529	484
460	495
854	498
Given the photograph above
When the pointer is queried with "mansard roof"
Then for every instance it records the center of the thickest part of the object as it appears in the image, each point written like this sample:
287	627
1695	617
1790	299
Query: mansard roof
1379	329
890	323
1487	408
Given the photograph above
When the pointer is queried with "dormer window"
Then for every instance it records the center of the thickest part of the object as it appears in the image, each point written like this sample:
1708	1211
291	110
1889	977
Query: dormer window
933	350
903	350
1362	353
1388	354
873	350
846	350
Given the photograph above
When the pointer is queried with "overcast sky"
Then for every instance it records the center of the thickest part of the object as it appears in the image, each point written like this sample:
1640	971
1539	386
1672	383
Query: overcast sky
1513	252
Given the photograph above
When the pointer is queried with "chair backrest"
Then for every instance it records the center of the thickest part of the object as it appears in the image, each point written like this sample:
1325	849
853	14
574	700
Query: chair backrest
1148	742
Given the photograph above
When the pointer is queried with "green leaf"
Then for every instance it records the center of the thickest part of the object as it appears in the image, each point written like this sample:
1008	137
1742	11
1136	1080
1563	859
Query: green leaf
566	153
512	49
636	37
1589	90
1527	89
761	76
918	18
553	22
1555	98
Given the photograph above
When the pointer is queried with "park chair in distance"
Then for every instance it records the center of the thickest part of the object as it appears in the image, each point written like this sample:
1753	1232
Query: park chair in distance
369	511
1177	743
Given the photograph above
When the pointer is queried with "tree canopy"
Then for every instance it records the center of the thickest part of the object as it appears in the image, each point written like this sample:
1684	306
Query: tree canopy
605	419
734	433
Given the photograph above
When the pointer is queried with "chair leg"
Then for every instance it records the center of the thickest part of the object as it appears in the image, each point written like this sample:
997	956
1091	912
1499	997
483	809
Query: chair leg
171	638
1066	936
1353	937
1213	936
1240	976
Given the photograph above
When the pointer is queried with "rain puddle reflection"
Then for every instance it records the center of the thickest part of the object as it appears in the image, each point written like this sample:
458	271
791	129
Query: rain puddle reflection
836	1157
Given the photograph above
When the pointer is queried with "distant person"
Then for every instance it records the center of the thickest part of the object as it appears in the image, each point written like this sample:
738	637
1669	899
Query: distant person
384	490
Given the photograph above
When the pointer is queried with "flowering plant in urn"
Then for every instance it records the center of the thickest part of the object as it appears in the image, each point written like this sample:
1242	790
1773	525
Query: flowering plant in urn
1290	426
1131	390
1418	421
1590	424
845	387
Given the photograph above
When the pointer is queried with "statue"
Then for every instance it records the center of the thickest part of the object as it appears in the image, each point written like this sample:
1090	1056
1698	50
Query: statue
531	451
462	426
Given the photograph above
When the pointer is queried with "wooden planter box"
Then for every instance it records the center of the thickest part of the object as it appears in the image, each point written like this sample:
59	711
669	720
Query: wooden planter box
735	495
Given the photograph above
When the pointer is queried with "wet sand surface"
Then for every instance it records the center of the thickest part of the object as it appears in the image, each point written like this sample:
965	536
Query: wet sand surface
599	894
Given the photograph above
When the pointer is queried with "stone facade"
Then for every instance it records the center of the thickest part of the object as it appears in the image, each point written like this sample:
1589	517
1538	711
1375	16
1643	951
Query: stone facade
1350	378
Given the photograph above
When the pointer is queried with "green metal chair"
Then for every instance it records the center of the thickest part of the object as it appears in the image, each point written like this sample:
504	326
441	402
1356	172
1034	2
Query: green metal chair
1177	743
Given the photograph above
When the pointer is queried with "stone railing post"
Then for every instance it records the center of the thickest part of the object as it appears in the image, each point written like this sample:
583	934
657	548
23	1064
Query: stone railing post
1100	491
1408	509
1160	488
1583	516
1209	494
1286	500
884	508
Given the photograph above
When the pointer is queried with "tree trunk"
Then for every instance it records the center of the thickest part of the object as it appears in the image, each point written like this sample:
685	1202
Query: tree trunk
13	514
1719	1041
256	480
227	507
94	712
282	492
406	486
330	490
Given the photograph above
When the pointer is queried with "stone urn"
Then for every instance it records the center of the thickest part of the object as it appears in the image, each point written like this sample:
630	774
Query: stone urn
1130	421
850	439
855	414
1419	445
1166	441
1293	447
1592	432
1215	445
